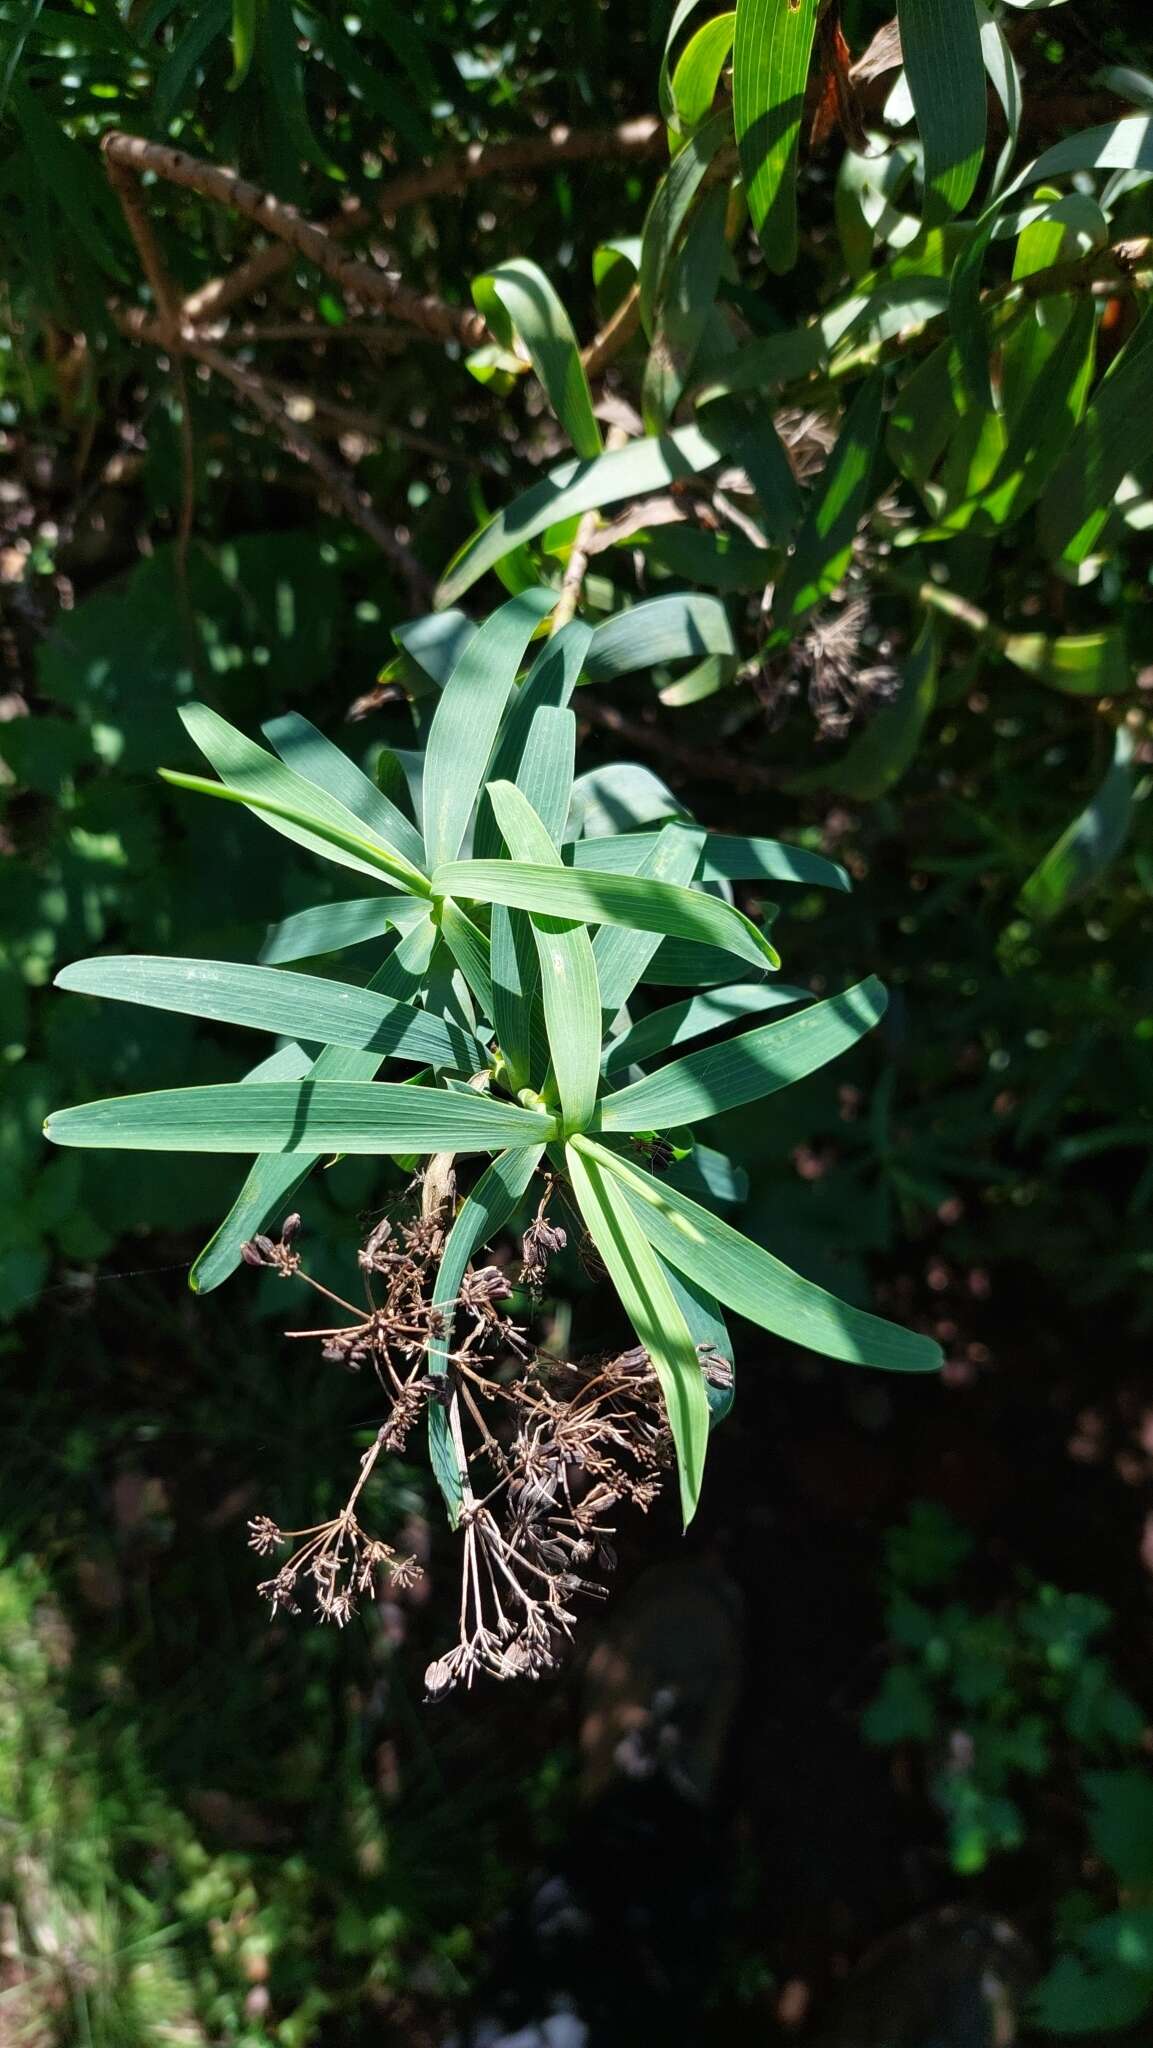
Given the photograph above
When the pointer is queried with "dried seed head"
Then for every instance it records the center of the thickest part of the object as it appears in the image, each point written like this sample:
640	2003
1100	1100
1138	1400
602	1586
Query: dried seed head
263	1535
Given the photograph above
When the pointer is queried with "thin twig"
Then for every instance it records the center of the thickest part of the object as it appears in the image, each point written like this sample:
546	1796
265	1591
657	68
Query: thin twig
168	312
614	335
481	160
361	280
578	560
339	485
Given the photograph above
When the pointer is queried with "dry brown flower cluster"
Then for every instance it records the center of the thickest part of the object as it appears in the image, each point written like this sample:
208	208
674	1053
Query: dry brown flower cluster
545	1450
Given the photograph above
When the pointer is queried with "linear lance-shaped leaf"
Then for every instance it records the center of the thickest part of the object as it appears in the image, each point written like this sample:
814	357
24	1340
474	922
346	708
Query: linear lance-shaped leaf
772	44
301	1006
568	975
745	1069
751	1281
608	899
517	299
298	809
941	47
301	1116
271	1181
467	720
654	1312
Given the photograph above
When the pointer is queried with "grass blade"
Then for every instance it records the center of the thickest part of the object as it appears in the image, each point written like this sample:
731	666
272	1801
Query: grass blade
292	806
1087	846
622	955
725	858
334	927
545	777
695	1017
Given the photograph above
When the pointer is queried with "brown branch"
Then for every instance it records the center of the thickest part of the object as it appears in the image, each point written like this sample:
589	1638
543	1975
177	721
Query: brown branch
393	340
639	138
360	280
168	311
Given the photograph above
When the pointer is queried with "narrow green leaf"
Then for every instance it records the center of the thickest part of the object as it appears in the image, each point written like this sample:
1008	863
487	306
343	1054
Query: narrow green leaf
709	1333
481	1214
749	1280
544	777
672	628
313	757
698	69
298	1006
653	1311
334	927
286	65
1088	846
435	643
726	858
272	1181
1078	664
669	209
745	1069
679	963
301	1116
1114	437
517	299
467	720
680	15
941	47
684	308
1042	429
695	1017
606	804
470	949
582	893
623	955
302	812
549	683
1005	79
840	498
577	487
772	44
572	1004
244	16
1115	146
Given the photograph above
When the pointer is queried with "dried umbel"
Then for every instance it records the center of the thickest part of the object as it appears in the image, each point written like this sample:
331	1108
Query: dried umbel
547	1451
